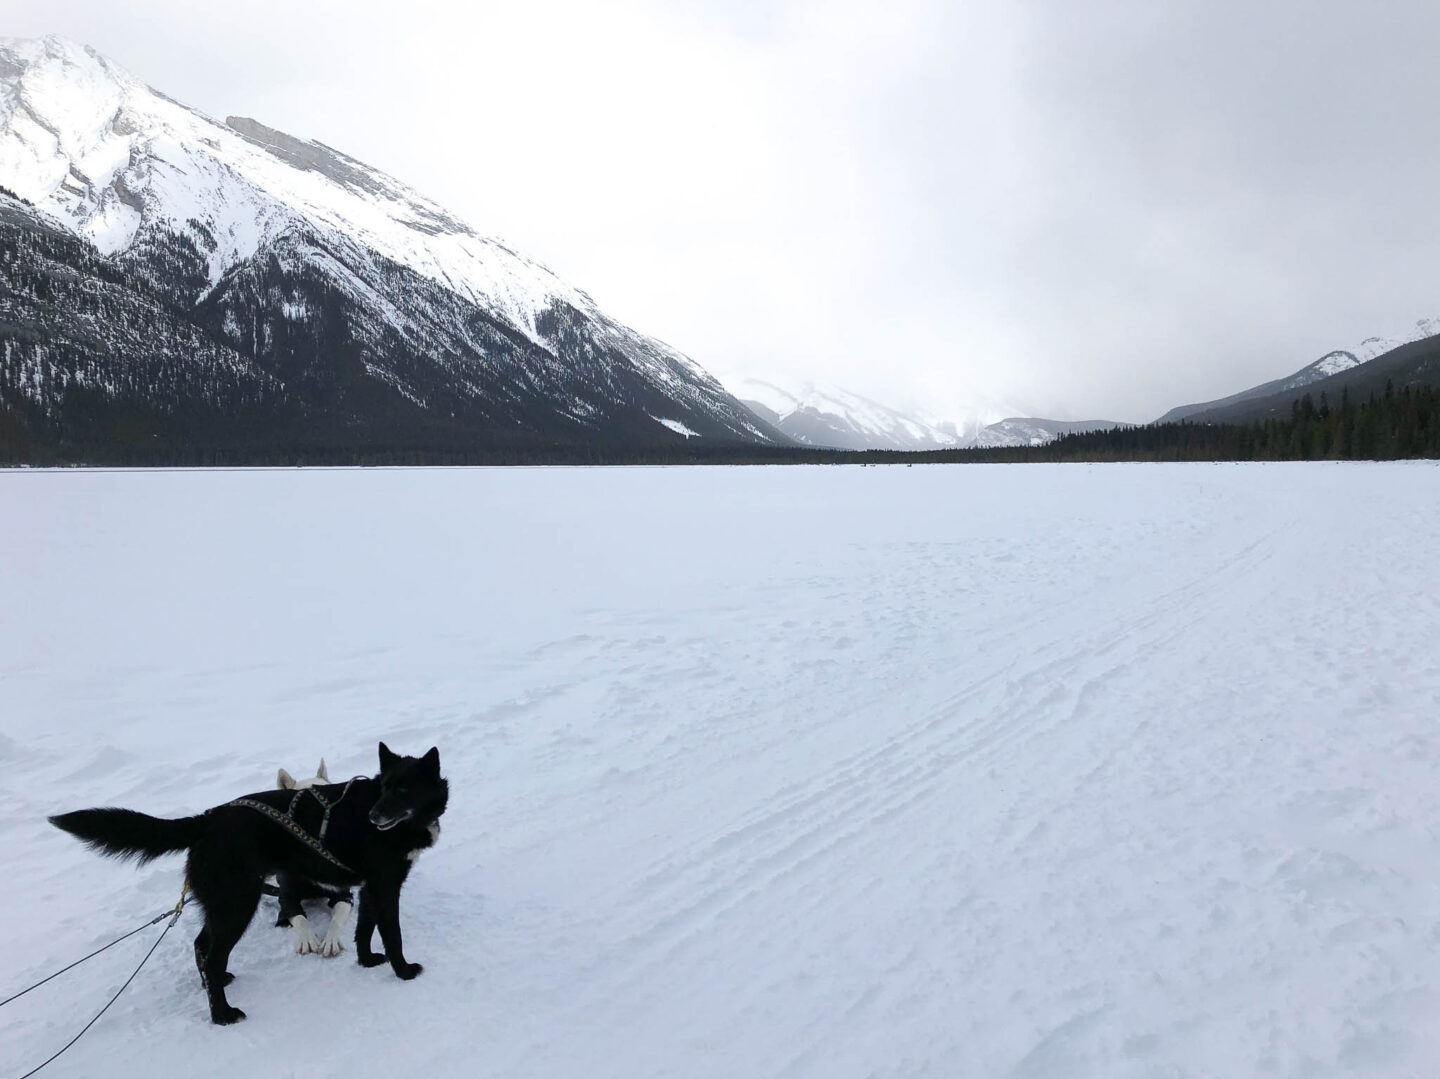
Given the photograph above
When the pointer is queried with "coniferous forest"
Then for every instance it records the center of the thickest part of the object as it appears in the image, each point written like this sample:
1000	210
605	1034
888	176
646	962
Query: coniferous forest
1396	424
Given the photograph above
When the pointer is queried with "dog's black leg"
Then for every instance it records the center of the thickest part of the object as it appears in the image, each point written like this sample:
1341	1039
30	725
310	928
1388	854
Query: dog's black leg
365	930
225	931
202	945
387	918
229	903
288	889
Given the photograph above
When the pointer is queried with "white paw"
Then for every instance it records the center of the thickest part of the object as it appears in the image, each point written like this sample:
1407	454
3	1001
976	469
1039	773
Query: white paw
334	942
306	942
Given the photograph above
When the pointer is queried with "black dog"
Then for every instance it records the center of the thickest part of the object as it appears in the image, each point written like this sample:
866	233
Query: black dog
374	834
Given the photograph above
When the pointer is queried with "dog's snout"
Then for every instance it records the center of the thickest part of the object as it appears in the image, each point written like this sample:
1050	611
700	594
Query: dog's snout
386	820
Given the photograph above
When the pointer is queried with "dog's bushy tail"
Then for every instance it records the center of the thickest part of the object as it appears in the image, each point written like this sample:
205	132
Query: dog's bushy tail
124	833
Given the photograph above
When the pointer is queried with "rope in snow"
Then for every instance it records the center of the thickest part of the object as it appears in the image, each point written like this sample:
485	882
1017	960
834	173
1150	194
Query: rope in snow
173	914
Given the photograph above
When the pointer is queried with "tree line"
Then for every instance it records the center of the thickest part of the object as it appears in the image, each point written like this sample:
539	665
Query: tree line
1392	425
1396	424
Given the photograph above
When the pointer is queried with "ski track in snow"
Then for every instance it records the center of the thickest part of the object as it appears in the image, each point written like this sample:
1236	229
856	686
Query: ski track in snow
1031	771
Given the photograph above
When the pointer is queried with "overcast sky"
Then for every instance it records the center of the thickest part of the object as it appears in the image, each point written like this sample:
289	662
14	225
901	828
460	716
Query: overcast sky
1071	208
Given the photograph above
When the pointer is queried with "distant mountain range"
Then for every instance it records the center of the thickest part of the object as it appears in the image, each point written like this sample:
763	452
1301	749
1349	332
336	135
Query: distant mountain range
177	289
837	418
1253	402
1029	431
168	280
1416	363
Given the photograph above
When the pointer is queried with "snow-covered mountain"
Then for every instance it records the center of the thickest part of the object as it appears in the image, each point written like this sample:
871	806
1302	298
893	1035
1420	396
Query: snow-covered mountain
838	418
1032	431
374	308
841	419
1332	363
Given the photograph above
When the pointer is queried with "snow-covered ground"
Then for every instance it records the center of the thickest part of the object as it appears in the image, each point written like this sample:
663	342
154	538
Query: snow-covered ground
983	771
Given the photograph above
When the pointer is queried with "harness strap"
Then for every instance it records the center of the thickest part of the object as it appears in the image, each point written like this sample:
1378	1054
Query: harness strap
325	820
293	827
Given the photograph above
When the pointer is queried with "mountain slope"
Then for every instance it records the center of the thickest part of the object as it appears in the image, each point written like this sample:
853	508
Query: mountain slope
79	332
369	303
1416	363
1332	363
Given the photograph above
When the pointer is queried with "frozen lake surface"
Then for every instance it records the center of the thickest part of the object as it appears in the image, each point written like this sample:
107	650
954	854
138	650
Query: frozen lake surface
1033	771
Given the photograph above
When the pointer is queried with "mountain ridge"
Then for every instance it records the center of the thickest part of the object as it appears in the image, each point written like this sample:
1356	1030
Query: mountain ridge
1415	363
1014	431
837	418
364	298
1332	363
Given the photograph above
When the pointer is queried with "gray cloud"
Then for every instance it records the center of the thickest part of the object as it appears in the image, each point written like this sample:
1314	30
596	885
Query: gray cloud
1078	209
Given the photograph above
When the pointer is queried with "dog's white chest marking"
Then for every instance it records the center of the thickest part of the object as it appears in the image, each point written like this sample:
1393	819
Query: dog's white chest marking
434	838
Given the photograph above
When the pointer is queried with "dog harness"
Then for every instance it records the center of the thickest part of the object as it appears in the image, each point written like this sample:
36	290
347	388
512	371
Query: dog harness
325	820
287	821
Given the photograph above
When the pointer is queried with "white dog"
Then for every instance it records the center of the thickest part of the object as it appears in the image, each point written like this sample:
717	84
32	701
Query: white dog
293	891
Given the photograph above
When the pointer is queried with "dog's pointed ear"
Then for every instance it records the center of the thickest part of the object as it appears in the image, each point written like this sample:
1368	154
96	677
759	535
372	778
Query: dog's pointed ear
386	757
320	772
284	781
431	761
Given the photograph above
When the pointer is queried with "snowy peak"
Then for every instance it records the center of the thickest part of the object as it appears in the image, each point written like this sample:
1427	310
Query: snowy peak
1372	347
1332	363
1032	431
65	135
841	419
317	266
67	94
838	418
82	138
